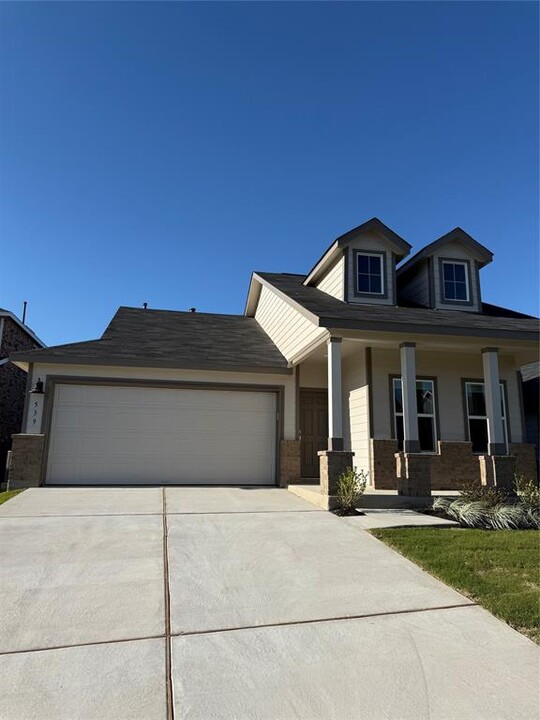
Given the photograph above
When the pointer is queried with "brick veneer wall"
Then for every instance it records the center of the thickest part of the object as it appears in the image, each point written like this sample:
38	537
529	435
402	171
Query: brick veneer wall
26	459
525	460
289	462
383	464
454	465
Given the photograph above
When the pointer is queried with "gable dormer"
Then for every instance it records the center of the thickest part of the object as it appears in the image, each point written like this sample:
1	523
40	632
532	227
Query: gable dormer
359	267
445	274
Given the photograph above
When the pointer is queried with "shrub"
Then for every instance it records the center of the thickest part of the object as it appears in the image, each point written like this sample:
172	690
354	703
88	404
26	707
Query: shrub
508	515
350	488
490	495
527	490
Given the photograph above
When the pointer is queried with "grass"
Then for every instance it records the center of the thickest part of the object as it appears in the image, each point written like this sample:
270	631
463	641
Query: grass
8	494
497	569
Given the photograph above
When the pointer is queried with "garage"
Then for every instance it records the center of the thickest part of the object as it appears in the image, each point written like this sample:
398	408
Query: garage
126	435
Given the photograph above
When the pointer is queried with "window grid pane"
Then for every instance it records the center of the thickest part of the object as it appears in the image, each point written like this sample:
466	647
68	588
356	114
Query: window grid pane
369	274
425	410
455	281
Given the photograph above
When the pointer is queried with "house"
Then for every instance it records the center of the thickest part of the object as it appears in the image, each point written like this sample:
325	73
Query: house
530	377
393	364
14	336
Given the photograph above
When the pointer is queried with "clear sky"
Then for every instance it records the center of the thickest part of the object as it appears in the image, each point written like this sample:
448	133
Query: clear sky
160	152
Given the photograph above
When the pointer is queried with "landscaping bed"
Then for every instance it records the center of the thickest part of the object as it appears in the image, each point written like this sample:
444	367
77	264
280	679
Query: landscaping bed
499	570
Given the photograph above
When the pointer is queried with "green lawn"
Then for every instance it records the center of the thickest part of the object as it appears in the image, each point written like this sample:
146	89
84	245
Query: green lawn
7	494
498	569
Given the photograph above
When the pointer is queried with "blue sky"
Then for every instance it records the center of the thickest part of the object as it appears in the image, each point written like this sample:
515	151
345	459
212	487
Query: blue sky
160	152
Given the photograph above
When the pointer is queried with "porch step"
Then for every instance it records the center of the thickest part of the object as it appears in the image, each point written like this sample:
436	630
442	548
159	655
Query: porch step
372	498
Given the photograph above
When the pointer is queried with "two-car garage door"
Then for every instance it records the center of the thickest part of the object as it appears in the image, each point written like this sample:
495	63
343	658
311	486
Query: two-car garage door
109	434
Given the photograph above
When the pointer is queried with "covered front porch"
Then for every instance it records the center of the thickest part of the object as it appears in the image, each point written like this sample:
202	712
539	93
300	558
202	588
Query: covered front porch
415	415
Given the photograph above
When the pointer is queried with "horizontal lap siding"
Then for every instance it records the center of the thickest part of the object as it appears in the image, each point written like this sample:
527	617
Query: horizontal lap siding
290	331
333	283
416	288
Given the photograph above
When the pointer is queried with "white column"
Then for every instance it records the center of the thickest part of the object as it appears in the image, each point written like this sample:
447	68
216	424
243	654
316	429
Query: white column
492	386
411	443
335	416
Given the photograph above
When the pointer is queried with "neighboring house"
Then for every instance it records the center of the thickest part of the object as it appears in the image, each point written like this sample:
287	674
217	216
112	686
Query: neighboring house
400	363
14	337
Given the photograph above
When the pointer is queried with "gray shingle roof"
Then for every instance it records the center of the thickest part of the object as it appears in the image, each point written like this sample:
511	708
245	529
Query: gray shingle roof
165	338
327	311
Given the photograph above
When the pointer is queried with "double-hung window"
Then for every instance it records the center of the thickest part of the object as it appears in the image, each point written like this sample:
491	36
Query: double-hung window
477	416
455	281
369	273
425	408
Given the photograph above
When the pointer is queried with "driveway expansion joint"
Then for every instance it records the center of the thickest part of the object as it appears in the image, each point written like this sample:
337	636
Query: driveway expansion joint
167	606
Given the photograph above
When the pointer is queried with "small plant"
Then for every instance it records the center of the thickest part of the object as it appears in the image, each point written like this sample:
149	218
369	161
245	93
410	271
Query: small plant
527	490
350	488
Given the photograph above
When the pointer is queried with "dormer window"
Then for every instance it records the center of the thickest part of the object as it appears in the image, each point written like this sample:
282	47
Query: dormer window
370	273
455	276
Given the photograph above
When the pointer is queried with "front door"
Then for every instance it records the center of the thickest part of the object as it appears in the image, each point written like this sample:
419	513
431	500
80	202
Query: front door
313	429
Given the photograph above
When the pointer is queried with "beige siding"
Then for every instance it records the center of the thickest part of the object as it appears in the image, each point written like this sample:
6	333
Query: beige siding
288	329
313	374
456	251
333	283
449	371
356	409
174	375
359	420
370	242
416	288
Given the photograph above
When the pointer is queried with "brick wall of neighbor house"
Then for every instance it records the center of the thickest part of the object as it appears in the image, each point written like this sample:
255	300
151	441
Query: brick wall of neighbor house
525	460
453	466
25	470
289	462
12	386
383	464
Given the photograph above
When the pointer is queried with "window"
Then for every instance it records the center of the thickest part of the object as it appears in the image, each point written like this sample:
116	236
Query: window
369	273
425	408
477	416
455	281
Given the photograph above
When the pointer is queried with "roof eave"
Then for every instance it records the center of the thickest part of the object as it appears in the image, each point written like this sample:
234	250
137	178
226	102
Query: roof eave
152	363
382	326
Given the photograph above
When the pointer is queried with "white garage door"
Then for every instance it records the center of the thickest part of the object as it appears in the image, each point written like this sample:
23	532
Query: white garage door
128	435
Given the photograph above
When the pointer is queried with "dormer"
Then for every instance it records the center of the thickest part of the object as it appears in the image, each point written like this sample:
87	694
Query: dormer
445	274
359	267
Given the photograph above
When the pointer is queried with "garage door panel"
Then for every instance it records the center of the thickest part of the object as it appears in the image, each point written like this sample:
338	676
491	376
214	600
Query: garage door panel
135	435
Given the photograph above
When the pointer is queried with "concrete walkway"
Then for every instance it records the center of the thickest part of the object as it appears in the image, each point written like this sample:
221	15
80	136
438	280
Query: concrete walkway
208	603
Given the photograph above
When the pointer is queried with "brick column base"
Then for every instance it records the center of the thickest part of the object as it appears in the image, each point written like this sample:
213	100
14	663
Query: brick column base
497	470
26	459
414	474
332	463
289	462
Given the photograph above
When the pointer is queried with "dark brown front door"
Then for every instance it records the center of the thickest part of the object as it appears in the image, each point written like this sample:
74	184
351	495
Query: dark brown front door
313	429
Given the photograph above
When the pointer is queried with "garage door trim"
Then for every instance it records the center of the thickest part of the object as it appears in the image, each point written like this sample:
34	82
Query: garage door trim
51	381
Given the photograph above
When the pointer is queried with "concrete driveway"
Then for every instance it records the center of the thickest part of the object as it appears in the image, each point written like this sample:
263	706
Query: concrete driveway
233	603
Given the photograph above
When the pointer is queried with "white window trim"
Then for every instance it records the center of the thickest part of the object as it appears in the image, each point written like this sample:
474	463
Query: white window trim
484	417
432	415
467	282
361	253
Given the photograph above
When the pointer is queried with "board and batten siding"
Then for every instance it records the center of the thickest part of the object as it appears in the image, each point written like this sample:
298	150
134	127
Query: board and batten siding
370	243
289	330
178	375
333	282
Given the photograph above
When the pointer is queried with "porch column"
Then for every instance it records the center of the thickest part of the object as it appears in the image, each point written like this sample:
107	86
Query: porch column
411	443
335	416
490	361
